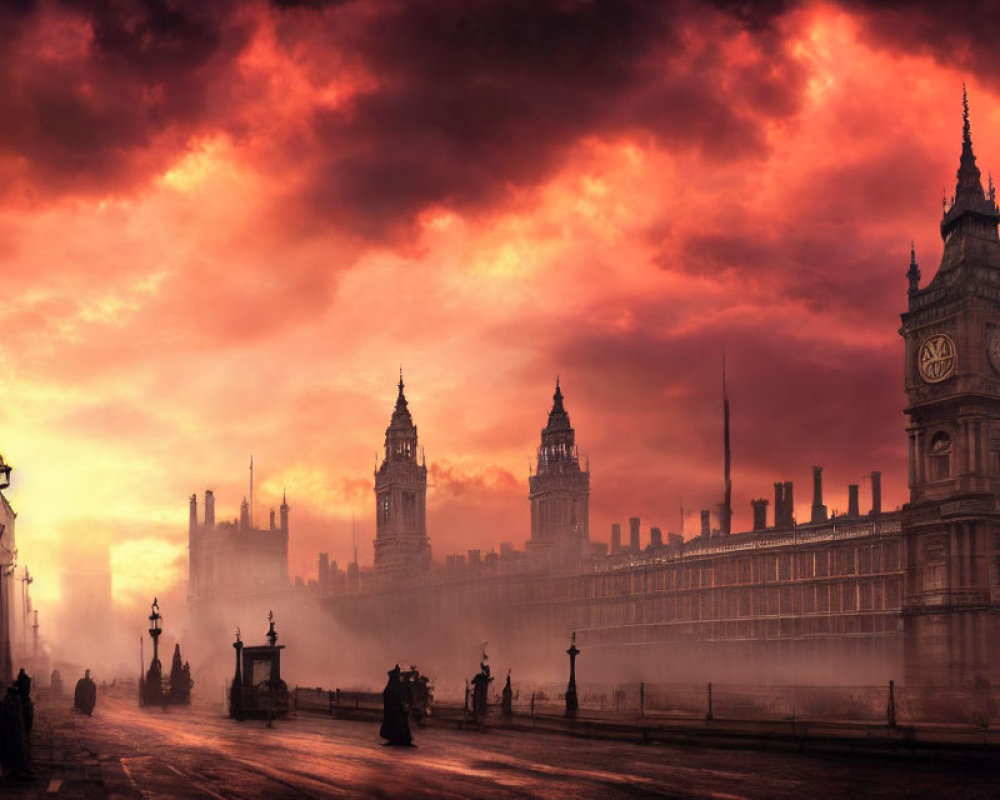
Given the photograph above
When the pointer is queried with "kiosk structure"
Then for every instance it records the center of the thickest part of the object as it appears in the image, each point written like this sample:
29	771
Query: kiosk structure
257	690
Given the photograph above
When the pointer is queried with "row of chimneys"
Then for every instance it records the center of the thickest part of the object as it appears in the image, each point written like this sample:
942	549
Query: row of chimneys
784	505
634	545
244	522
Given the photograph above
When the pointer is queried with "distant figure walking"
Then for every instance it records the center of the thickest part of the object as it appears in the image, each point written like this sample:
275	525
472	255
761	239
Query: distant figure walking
85	697
395	720
56	684
507	699
22	685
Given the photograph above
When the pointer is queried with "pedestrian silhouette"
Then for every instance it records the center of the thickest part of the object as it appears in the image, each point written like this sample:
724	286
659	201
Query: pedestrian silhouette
85	697
395	719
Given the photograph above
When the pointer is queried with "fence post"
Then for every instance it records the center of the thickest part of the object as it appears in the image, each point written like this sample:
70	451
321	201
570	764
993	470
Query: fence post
642	698
891	709
708	716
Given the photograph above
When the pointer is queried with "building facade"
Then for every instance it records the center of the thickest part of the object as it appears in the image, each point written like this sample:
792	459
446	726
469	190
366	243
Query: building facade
234	568
8	552
911	594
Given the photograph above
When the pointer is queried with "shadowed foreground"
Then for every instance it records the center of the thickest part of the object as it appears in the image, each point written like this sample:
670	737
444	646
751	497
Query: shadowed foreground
130	752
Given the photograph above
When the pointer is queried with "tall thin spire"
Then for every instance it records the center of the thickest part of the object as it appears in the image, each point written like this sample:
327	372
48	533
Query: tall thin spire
251	491
913	273
725	518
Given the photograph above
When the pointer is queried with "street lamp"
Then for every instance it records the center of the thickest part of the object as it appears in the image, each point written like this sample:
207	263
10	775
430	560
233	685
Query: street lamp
154	630
571	701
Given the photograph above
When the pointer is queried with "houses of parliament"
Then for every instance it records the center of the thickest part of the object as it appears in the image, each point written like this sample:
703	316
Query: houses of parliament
911	594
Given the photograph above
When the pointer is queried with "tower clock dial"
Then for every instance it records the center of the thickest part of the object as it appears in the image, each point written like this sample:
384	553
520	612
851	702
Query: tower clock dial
936	358
993	349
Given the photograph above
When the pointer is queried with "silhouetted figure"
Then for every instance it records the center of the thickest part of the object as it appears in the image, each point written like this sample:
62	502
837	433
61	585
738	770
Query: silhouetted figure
56	684
417	694
22	685
507	699
85	696
14	739
480	689
395	721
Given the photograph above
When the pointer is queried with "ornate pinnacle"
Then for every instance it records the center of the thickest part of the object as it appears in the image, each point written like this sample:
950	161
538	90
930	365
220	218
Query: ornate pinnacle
966	130
913	273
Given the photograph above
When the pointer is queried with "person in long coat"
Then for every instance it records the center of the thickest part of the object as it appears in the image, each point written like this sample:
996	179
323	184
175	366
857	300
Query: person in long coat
85	696
395	718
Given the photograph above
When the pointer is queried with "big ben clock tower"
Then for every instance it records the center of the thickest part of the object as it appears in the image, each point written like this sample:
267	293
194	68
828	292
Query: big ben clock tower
952	523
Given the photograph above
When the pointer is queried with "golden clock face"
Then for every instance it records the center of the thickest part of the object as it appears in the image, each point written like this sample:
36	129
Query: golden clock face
993	349
936	358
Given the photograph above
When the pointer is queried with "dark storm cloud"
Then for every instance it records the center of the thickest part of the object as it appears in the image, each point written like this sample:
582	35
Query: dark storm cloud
958	35
473	99
89	87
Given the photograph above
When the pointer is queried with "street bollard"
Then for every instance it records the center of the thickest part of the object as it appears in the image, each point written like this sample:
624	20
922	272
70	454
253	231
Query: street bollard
532	709
708	716
891	708
642	698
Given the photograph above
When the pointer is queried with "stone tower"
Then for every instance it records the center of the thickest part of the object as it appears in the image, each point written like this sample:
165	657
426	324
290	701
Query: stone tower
952	374
401	544
559	491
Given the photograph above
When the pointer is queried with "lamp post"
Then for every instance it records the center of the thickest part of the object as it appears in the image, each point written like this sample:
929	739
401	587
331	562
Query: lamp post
572	704
154	630
236	690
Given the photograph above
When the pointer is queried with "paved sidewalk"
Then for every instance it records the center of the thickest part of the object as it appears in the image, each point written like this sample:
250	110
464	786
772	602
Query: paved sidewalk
61	766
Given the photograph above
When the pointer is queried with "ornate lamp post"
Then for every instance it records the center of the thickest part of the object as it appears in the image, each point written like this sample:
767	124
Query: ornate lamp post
571	702
154	630
236	690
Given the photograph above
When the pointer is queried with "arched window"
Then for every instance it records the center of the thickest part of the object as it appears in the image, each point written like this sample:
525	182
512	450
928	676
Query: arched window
940	457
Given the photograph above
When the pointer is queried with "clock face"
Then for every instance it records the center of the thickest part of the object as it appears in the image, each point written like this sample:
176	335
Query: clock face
936	358
993	349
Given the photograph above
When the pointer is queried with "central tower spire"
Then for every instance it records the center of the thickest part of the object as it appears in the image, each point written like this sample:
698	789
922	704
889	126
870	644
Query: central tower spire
401	544
972	217
559	490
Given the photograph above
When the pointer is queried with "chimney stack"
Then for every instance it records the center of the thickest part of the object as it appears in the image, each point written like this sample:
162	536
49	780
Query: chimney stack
876	493
818	509
209	509
760	513
193	518
616	538
784	505
655	538
633	534
852	500
706	522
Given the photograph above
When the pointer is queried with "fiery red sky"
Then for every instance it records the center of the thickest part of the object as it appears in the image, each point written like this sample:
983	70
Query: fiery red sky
224	226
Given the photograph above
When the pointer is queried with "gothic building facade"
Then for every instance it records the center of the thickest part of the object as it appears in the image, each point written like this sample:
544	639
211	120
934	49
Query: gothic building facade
234	568
910	594
7	559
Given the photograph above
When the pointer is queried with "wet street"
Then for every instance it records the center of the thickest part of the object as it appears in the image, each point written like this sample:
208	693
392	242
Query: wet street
198	753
